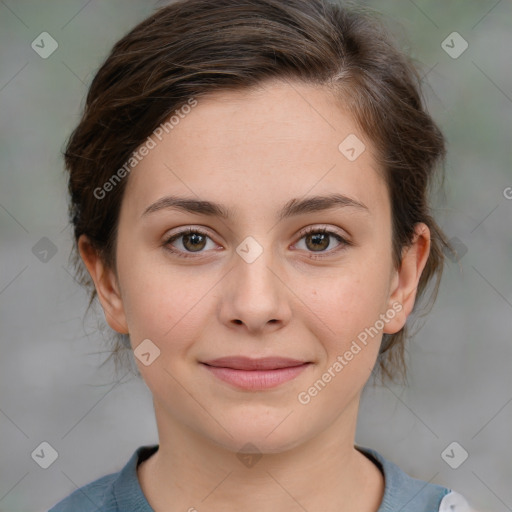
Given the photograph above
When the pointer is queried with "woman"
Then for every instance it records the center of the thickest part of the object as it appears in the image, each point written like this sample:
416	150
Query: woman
249	194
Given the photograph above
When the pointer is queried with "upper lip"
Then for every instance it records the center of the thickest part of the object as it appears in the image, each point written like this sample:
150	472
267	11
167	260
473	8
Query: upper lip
247	363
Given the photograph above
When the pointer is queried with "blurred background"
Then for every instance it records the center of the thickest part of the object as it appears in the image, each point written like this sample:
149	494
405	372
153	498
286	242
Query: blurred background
52	388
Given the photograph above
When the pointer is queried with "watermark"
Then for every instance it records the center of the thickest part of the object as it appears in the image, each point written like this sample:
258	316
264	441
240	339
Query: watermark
144	149
146	352
460	249
454	455
249	455
304	397
352	147
44	45
44	455
507	192
249	250
454	45
44	250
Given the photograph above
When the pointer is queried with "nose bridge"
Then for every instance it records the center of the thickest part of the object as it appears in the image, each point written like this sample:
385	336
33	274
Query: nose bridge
256	293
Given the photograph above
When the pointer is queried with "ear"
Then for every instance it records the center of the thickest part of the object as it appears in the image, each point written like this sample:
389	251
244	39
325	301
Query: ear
106	285
405	280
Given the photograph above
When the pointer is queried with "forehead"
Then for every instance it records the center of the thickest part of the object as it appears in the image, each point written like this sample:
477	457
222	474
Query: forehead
258	148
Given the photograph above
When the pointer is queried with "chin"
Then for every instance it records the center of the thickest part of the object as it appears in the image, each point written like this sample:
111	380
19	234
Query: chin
263	437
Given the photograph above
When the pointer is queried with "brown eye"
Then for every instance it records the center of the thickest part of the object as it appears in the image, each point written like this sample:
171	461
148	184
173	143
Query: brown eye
194	242
317	241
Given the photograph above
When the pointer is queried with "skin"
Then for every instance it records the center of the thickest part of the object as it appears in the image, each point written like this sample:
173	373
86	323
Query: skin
253	151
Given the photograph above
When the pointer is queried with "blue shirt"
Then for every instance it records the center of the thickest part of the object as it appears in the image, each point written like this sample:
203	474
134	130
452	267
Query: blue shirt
121	491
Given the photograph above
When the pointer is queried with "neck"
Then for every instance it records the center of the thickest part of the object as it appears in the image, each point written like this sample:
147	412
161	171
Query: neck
191	472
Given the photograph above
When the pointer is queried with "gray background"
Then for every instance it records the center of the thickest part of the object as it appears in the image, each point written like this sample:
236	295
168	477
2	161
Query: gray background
51	386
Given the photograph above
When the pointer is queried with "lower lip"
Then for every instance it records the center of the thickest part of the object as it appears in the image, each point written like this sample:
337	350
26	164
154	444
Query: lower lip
255	380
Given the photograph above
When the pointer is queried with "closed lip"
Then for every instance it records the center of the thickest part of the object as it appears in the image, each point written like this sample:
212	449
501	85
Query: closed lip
248	363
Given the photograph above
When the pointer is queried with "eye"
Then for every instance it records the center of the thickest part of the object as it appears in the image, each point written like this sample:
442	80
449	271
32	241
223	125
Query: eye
318	240
193	240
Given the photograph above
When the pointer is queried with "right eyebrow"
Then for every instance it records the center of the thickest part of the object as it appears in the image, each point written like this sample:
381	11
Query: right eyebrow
189	205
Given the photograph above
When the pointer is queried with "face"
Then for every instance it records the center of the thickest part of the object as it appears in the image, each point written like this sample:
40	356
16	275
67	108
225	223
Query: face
270	278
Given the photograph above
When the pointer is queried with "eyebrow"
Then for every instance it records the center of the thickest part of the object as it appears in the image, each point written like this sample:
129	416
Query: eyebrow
291	208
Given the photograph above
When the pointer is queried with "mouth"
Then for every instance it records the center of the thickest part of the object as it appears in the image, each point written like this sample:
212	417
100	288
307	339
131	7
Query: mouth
255	374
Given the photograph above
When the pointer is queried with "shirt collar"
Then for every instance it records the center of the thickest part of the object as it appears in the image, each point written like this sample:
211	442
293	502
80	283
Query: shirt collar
399	488
127	491
401	491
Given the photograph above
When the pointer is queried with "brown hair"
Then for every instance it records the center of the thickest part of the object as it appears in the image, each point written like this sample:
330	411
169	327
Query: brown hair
192	48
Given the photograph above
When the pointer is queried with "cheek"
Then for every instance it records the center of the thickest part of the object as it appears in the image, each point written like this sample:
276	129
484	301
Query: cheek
163	303
355	300
351	344
348	310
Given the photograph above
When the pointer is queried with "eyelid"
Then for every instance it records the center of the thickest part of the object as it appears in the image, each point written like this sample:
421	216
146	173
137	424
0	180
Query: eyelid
342	239
182	232
322	228
188	229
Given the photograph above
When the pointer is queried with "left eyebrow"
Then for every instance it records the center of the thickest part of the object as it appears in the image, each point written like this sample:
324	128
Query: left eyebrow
291	208
320	203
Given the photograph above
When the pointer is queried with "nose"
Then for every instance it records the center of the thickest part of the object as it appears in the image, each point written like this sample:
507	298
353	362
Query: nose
254	296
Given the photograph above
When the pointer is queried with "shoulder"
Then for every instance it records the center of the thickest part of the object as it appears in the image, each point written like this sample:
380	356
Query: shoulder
96	496
403	492
116	492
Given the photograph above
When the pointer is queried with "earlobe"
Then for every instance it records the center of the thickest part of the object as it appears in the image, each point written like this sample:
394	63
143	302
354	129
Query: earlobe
406	279
106	286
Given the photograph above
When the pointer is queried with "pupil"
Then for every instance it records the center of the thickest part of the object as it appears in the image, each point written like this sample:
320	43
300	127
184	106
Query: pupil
319	240
321	237
195	238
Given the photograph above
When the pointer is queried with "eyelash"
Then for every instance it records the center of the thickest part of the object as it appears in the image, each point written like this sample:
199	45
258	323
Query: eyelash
322	254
